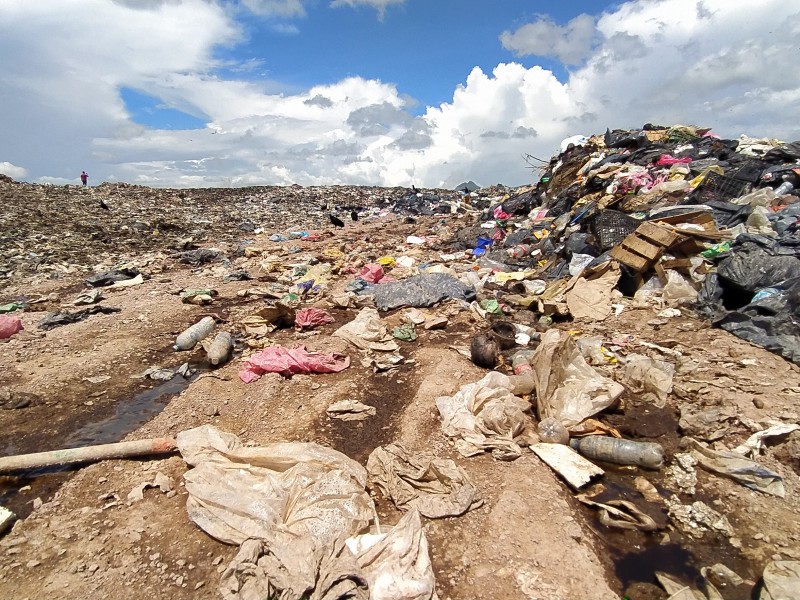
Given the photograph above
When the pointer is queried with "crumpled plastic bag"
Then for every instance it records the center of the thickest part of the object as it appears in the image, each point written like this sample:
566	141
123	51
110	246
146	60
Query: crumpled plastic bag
747	472
645	375
288	361
781	580
567	388
293	503
485	415
373	273
435	487
755	443
367	332
306	318
421	290
9	326
397	565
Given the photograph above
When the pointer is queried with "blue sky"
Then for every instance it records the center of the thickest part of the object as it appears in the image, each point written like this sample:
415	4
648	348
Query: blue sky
381	92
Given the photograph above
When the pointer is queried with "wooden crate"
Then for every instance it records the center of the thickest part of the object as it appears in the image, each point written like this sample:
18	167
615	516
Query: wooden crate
644	247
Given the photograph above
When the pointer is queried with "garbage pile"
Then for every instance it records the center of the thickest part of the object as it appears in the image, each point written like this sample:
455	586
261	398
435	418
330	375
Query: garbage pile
687	217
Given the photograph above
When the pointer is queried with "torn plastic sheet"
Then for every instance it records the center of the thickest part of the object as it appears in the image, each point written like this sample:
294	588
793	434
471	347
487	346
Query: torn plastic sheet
483	416
435	487
567	388
729	464
644	375
292	507
421	290
367	332
289	361
755	443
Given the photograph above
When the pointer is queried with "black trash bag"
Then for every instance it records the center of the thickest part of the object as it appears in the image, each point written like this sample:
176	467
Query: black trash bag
57	319
519	205
772	322
578	243
199	257
623	139
757	262
110	277
783	153
520	236
421	291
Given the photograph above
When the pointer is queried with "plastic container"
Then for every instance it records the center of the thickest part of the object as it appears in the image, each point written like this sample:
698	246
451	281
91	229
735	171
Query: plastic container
551	431
189	338
220	349
520	251
622	452
783	189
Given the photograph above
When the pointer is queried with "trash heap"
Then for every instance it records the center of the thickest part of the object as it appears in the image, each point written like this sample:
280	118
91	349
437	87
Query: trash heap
687	218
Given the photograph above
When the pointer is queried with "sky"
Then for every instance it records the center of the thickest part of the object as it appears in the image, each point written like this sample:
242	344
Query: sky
432	93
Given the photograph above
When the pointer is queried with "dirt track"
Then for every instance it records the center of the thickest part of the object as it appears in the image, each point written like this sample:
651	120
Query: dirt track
530	540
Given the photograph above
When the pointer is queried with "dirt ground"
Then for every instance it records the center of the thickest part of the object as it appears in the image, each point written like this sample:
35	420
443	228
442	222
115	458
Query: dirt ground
80	536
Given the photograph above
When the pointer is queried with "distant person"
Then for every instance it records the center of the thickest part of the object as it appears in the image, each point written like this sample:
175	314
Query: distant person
84	177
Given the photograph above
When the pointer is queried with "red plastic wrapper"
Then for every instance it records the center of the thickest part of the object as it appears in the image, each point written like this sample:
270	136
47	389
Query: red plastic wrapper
311	317
288	361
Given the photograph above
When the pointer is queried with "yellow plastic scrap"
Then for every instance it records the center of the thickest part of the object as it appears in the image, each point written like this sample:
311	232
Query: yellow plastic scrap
386	261
501	277
712	169
540	234
332	253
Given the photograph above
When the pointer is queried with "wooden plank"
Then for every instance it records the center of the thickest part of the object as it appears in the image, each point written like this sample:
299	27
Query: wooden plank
676	263
660	235
634	261
642	247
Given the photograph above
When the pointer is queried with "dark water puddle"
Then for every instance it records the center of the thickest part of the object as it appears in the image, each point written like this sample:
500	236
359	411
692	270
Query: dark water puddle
128	416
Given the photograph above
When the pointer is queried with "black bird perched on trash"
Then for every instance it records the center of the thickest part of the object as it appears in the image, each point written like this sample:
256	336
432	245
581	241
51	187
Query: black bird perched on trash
103	205
336	221
354	215
414	188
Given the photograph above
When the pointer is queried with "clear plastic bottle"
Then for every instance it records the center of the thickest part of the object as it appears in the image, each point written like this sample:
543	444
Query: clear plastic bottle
785	188
189	338
622	452
220	348
551	431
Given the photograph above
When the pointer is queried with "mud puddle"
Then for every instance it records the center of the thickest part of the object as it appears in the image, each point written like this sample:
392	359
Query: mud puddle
17	492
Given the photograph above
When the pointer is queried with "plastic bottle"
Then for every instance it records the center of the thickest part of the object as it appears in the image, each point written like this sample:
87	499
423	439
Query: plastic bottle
783	189
220	349
188	339
551	431
622	452
520	251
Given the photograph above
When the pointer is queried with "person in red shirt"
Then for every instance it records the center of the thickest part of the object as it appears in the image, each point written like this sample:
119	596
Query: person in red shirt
84	177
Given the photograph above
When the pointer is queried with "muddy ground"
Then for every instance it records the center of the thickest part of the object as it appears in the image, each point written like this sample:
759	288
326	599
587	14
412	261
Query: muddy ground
80	536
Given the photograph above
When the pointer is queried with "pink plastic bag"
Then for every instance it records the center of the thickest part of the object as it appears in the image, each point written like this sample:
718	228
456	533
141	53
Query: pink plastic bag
9	326
667	159
371	273
311	317
288	361
500	214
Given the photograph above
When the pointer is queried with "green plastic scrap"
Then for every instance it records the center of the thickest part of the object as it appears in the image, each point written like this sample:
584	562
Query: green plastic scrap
11	307
405	332
716	250
492	306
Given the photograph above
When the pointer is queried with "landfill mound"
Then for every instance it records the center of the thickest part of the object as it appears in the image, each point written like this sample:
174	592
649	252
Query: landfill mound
507	393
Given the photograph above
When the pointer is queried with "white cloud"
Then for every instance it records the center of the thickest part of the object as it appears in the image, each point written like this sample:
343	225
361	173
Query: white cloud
570	43
379	5
721	63
13	171
276	8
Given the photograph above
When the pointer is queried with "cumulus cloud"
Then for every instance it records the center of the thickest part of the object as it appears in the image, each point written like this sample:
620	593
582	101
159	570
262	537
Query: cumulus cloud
13	171
379	5
570	43
721	63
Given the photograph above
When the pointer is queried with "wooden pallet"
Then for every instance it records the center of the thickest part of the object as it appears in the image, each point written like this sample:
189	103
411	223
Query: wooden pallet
644	247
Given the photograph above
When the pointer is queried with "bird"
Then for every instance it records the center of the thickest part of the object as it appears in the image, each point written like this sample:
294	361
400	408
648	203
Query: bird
354	215
336	221
103	205
414	188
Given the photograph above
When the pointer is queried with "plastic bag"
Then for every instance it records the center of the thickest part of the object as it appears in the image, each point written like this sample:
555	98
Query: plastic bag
289	361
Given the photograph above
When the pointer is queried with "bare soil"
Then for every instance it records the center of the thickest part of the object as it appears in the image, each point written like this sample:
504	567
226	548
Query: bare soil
80	536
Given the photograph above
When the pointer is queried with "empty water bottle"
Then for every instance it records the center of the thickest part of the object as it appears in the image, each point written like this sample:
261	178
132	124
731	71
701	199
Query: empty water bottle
783	189
551	431
220	349
189	338
622	452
